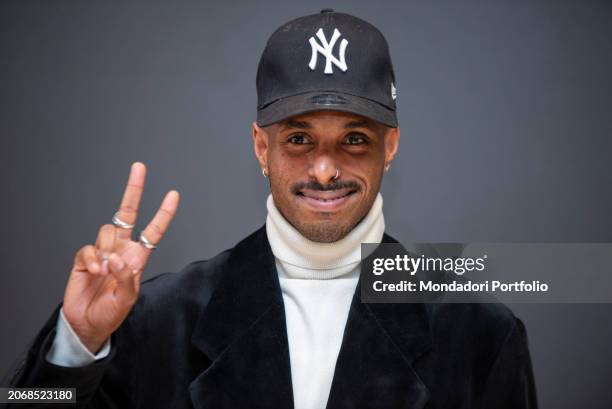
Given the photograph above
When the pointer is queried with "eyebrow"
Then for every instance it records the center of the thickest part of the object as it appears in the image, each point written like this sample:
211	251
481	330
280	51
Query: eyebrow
357	124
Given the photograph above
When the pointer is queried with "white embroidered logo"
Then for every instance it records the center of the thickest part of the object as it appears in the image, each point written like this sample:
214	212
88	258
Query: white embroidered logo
326	49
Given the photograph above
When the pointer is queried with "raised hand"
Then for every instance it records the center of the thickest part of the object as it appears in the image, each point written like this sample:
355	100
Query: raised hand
105	278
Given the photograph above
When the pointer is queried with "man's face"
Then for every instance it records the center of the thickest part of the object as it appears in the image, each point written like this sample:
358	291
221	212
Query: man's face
302	156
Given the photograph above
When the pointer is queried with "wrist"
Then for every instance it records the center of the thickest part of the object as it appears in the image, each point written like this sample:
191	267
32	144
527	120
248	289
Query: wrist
93	345
91	341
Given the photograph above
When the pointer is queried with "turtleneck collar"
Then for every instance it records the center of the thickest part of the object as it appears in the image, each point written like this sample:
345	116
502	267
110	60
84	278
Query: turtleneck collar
302	258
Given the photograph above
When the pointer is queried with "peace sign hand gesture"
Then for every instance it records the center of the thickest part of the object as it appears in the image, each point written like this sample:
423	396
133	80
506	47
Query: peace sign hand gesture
105	278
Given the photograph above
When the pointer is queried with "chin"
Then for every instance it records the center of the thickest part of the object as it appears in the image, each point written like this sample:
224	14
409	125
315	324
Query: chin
324	228
324	232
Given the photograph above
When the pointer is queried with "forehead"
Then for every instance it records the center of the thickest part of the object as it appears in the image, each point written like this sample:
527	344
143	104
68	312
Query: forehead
326	120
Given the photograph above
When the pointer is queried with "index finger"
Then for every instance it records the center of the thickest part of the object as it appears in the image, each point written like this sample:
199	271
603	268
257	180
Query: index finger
128	209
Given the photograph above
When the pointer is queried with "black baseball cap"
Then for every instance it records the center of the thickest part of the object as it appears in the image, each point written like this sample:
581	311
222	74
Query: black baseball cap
326	62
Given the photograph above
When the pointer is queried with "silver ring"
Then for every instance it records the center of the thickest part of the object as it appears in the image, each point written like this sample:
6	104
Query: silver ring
120	223
145	242
337	174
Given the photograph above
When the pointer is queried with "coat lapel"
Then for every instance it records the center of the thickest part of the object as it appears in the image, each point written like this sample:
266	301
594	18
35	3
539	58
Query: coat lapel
243	332
374	368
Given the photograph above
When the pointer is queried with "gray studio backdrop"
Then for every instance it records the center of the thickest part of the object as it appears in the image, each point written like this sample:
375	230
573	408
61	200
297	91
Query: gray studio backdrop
506	136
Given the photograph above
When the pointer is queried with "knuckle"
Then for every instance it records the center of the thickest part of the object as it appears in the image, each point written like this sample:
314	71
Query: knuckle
135	186
167	212
124	233
107	228
85	253
128	210
155	232
87	249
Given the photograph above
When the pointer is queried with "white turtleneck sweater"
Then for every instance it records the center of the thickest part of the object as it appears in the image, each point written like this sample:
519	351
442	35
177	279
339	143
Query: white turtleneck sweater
317	280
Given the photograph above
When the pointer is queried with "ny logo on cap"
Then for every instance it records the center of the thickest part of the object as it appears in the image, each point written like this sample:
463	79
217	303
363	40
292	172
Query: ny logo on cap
326	49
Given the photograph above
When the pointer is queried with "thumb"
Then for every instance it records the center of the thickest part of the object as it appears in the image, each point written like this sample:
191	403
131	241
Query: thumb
126	290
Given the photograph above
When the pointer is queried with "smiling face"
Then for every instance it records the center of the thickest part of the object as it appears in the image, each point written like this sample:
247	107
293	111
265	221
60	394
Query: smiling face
303	155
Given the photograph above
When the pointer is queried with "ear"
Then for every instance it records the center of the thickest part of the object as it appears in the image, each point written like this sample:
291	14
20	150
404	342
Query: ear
260	144
391	144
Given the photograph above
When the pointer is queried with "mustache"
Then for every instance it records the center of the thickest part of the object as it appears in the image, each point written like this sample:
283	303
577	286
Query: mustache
314	185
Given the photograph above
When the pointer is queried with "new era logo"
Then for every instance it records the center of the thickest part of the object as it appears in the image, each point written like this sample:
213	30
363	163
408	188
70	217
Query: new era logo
326	49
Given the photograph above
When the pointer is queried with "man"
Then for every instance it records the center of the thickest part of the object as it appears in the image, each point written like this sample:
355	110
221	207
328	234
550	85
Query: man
277	321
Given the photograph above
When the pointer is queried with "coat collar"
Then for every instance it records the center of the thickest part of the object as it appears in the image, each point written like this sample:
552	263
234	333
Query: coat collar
243	332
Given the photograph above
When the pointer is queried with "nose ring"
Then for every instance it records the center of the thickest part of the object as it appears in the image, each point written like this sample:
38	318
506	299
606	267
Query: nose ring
337	174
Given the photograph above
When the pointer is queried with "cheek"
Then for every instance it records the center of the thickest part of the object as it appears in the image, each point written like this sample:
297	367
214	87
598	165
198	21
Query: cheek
367	170
288	168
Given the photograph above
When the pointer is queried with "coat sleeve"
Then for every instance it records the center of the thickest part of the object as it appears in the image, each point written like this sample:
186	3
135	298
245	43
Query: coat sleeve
510	383
104	383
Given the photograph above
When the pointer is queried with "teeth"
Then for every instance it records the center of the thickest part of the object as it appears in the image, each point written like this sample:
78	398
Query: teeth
324	200
330	200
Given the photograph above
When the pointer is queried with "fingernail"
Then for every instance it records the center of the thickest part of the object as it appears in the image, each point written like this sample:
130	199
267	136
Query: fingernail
94	267
117	262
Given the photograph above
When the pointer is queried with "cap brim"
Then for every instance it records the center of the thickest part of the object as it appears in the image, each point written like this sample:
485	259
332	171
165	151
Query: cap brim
325	101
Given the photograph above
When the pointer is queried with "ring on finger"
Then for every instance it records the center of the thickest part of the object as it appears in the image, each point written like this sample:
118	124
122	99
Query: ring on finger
146	242
120	223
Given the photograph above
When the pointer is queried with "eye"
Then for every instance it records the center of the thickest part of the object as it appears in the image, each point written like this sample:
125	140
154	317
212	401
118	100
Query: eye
356	139
298	139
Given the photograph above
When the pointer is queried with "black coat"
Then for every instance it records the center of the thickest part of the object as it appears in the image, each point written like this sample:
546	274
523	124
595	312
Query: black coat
214	336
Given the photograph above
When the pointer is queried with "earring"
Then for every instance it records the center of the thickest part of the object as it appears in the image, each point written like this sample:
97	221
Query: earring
264	172
387	166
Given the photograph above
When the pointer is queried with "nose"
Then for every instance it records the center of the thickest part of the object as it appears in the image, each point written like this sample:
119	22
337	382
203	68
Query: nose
323	169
